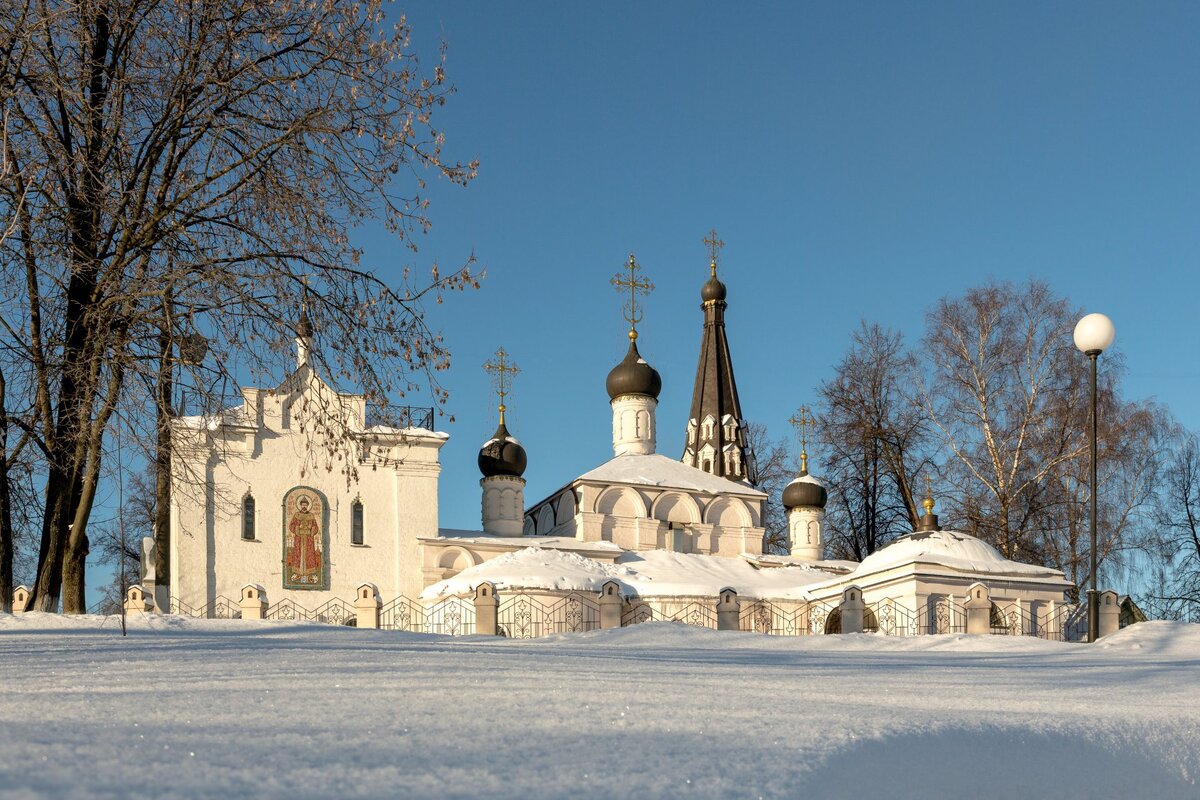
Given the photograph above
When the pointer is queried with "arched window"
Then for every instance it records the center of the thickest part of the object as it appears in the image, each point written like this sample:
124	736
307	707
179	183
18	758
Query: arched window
248	517
356	522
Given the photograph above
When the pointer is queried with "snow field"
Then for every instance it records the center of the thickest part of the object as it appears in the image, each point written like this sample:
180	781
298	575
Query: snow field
215	708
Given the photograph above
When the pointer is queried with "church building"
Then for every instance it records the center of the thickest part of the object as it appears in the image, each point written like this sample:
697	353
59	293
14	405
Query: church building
261	507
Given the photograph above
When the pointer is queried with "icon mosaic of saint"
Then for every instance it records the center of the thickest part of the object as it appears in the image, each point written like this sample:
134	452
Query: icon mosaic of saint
304	526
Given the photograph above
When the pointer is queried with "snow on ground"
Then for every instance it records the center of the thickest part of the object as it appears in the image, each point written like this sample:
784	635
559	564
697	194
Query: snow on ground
199	708
648	573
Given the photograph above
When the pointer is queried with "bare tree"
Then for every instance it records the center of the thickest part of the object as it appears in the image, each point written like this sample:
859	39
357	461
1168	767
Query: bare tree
873	441
196	169
1178	520
995	361
774	468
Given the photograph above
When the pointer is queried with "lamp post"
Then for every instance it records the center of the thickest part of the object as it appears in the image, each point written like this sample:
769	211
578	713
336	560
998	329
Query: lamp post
1093	335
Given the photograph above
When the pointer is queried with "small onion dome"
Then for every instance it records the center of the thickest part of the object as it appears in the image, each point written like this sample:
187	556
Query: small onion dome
502	455
305	328
633	376
712	290
805	490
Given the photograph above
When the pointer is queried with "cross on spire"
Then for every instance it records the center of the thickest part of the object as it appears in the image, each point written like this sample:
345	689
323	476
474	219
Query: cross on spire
502	370
635	286
714	245
801	420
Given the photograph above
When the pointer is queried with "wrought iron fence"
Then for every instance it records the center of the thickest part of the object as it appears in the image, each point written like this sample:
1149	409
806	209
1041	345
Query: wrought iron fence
894	619
454	616
819	618
763	616
943	615
694	613
639	612
402	614
1012	619
394	416
220	608
525	617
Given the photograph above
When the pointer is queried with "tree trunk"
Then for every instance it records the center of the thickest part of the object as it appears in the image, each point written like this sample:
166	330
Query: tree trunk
162	463
6	528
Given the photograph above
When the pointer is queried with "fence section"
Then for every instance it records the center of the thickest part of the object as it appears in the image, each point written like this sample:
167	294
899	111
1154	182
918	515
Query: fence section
220	608
525	617
763	616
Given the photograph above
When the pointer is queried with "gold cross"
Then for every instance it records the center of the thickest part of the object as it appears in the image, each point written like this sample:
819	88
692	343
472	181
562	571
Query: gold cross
635	286
801	420
503	371
714	244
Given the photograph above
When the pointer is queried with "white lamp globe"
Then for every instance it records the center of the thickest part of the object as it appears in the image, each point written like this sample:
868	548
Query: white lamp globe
1094	333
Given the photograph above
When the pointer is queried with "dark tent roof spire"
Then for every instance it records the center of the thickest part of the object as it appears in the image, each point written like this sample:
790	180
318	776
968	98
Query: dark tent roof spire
716	438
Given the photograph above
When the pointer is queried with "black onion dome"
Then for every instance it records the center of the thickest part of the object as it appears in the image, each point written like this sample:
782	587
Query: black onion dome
713	289
502	455
633	376
804	493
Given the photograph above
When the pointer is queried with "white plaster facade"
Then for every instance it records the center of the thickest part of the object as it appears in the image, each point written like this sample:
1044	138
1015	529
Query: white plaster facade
270	445
806	532
503	504
633	424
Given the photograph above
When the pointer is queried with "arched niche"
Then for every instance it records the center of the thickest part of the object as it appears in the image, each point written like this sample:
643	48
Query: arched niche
454	560
545	520
566	508
528	529
621	501
675	507
728	512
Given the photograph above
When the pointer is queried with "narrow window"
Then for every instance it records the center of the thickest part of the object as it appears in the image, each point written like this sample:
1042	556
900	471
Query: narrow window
248	518
356	523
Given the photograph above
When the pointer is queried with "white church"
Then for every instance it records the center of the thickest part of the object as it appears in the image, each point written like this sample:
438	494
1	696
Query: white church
259	526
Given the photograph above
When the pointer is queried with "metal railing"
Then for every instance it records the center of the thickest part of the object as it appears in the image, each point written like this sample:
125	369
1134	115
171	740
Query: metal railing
395	416
524	617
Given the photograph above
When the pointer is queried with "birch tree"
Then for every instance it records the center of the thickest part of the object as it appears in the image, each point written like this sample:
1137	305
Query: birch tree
995	364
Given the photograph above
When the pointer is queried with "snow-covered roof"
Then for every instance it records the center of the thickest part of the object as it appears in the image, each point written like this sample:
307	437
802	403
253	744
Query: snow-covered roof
951	549
658	470
409	431
650	573
233	415
834	565
549	542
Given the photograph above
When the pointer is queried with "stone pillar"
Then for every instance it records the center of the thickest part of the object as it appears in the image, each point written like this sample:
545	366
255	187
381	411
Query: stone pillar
366	606
611	605
633	424
851	610
253	602
806	531
503	511
486	606
979	609
138	600
20	599
1050	626
1110	613
729	611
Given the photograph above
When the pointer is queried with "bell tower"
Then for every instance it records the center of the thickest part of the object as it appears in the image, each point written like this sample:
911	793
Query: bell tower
716	437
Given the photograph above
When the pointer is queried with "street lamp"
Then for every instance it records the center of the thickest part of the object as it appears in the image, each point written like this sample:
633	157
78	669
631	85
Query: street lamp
1093	335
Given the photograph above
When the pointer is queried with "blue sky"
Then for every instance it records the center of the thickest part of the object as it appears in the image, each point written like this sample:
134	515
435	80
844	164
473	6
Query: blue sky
859	161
